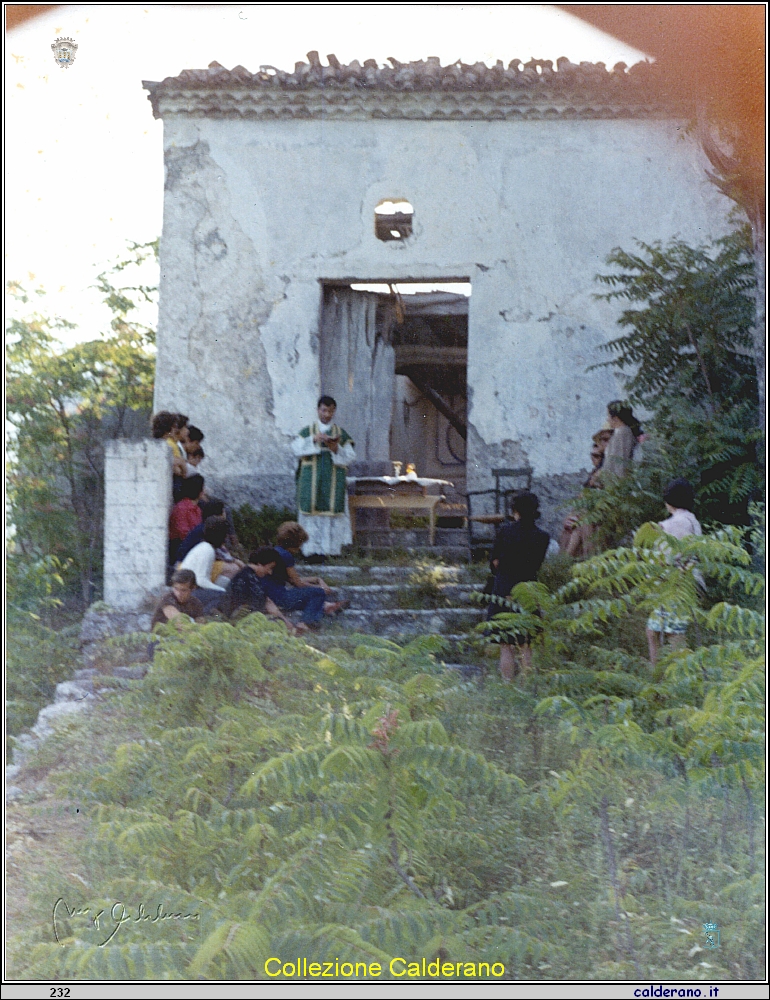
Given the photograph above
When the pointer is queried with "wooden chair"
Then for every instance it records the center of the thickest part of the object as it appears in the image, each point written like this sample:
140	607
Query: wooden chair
502	498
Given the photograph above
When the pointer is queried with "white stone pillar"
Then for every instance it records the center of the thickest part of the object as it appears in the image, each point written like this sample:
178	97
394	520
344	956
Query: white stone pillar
137	501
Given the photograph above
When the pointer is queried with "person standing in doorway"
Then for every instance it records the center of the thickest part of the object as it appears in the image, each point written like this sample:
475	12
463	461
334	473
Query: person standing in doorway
324	451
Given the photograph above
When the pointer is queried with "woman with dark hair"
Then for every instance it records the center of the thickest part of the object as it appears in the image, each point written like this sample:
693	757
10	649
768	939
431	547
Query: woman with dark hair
303	592
626	431
165	427
517	555
201	561
289	540
575	537
162	425
679	499
185	514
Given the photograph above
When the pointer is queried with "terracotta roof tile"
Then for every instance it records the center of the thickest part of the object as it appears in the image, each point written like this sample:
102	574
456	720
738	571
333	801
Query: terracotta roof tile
423	89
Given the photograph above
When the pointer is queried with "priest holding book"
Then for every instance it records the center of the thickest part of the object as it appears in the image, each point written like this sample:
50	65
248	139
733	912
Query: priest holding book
324	450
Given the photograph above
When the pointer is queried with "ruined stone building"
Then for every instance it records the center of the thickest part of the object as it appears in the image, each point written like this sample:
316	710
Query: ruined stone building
285	191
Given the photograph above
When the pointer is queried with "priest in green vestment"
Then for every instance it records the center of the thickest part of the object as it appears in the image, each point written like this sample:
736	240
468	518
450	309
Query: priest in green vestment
324	450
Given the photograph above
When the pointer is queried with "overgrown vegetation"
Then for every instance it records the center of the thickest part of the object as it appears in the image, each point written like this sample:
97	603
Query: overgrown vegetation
365	803
63	403
424	587
255	528
41	640
687	354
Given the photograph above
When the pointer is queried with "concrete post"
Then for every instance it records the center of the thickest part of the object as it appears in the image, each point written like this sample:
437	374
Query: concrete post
137	502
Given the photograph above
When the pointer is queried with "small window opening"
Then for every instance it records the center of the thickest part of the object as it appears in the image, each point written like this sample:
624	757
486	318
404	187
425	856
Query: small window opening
393	219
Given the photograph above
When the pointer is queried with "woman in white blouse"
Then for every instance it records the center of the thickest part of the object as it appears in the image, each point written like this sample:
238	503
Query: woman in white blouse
201	561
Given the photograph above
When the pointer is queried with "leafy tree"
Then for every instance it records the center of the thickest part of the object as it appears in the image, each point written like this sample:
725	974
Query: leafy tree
697	721
688	322
704	716
686	354
63	403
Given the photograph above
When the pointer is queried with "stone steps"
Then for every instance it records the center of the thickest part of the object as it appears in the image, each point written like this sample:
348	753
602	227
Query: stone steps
447	553
395	622
407	538
342	573
70	699
381	596
448	543
384	602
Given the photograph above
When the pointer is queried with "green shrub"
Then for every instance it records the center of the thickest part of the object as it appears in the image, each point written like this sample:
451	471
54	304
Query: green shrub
64	402
37	659
255	528
365	803
686	354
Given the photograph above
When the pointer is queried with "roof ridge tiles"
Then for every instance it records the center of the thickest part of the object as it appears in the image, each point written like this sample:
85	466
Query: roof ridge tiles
428	71
629	90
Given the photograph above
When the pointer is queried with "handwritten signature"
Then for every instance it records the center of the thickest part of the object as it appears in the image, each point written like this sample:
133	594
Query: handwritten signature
114	918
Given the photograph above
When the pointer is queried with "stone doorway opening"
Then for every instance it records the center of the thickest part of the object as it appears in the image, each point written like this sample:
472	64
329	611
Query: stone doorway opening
394	354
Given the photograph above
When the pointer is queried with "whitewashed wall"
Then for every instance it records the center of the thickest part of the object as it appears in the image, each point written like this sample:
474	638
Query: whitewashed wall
258	213
137	501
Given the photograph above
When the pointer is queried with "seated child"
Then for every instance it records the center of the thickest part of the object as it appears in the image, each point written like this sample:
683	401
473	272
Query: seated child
179	602
311	601
201	561
290	538
185	514
194	458
226	564
248	590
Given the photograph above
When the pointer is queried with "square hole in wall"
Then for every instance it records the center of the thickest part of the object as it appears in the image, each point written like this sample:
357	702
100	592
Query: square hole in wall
393	219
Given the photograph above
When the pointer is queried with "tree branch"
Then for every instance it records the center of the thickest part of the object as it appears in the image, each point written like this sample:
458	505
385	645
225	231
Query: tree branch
608	845
404	876
704	372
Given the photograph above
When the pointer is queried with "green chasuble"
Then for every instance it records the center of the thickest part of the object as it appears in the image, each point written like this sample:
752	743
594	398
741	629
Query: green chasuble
321	484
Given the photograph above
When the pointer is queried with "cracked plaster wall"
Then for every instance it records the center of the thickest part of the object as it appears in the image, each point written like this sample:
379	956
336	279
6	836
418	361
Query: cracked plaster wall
258	213
137	482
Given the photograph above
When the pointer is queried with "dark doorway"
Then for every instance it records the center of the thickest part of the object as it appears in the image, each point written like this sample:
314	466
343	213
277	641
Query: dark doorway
395	358
428	426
